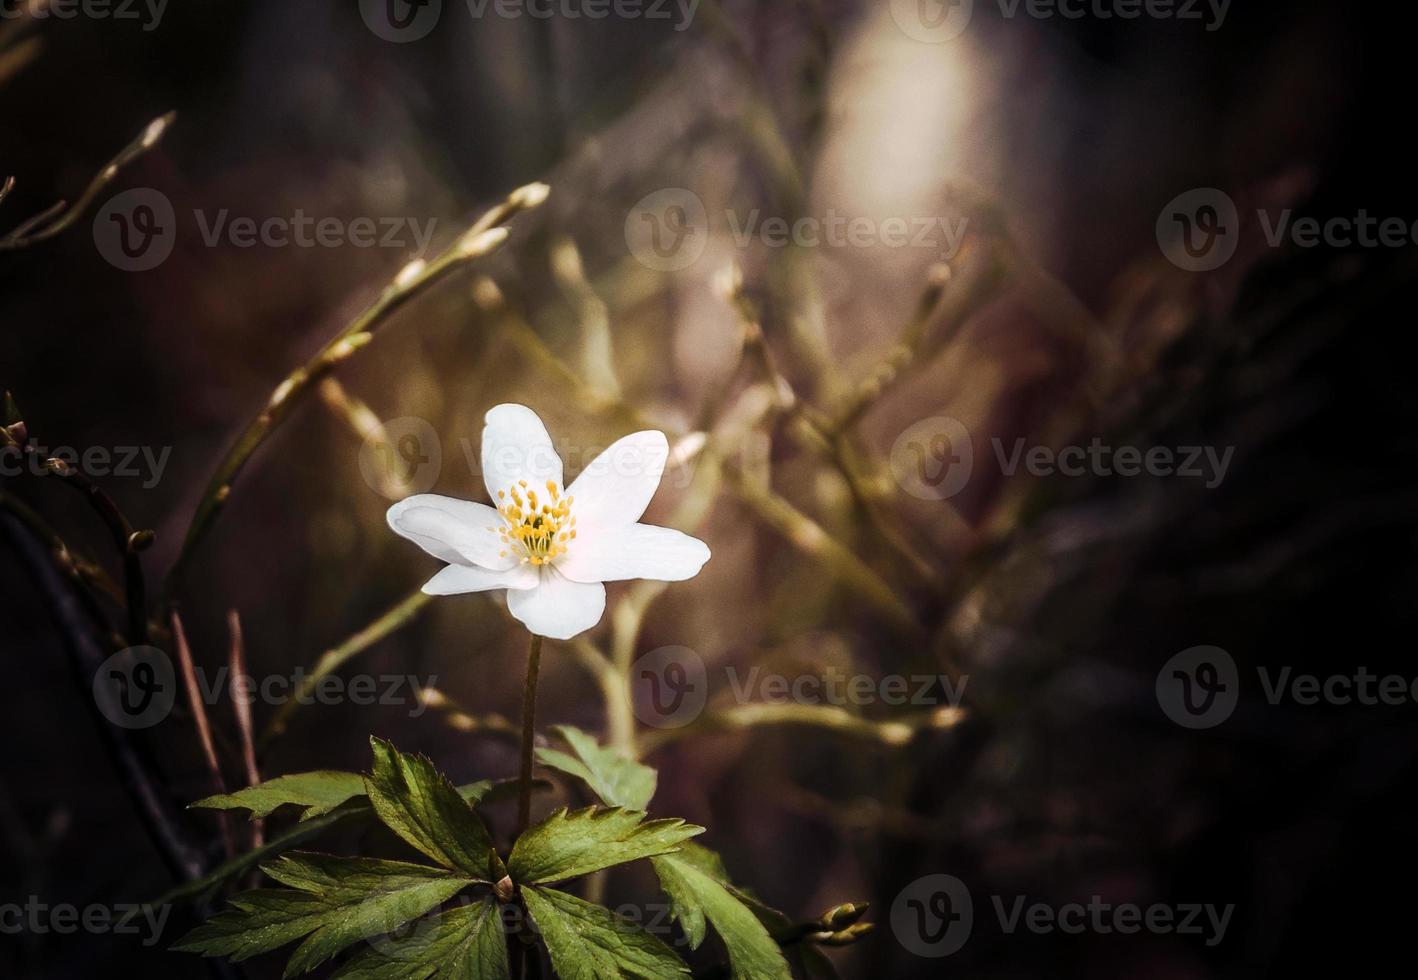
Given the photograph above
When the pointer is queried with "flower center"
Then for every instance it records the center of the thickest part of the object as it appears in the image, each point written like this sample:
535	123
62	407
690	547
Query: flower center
535	530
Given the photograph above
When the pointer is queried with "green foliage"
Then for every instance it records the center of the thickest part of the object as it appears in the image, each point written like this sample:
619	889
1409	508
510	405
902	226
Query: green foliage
616	780
335	902
315	793
418	803
590	942
462	943
696	894
331	904
571	844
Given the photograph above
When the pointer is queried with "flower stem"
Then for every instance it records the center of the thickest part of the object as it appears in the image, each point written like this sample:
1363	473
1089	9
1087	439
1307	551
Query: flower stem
529	726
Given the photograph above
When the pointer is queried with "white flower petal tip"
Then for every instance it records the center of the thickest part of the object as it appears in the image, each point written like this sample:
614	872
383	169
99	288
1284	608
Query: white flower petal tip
516	447
558	608
616	487
462	579
635	551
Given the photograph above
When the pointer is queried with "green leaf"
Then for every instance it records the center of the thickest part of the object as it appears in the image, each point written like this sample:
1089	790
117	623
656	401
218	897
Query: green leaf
359	808
316	793
337	902
461	944
590	942
618	781
418	803
566	845
695	895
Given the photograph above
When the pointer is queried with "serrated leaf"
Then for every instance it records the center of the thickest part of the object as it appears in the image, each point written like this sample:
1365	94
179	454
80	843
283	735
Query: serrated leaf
358	808
316	793
618	781
570	844
590	942
695	896
418	803
461	944
336	902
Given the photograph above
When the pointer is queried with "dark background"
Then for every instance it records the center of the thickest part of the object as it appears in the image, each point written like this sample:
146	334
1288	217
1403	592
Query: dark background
1066	780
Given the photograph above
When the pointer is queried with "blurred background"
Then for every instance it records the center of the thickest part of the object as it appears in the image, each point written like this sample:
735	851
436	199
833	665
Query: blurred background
1046	291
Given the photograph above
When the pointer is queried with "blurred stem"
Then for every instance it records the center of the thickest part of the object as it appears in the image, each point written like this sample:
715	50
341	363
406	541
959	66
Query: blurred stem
529	733
335	657
893	733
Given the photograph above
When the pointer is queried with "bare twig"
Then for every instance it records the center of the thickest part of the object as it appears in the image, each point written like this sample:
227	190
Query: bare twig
485	237
336	656
60	216
236	664
204	728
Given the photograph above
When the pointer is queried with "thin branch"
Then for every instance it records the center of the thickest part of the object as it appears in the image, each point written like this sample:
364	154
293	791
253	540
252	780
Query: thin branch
204	728
236	666
894	733
337	656
485	237
60	216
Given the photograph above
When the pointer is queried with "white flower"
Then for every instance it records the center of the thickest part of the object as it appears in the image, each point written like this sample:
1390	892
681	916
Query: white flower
550	548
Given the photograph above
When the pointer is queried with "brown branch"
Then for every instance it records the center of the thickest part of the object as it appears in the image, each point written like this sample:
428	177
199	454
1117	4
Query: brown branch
204	728
236	666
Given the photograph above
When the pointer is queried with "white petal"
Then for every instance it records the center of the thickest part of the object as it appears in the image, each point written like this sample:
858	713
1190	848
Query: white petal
516	447
457	531
558	608
636	551
457	579
616	487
